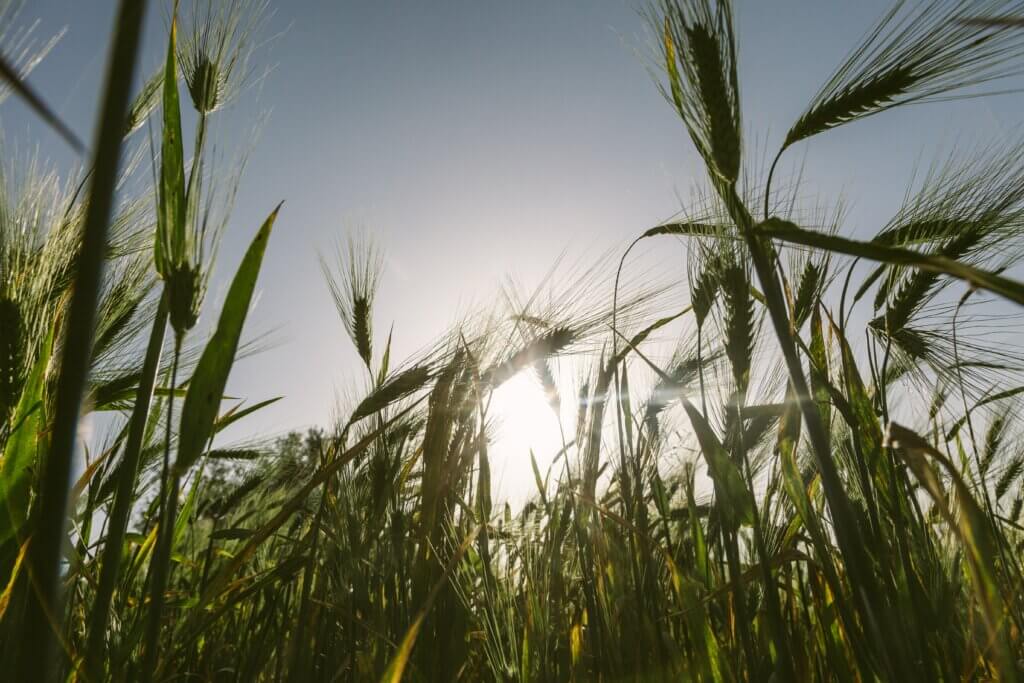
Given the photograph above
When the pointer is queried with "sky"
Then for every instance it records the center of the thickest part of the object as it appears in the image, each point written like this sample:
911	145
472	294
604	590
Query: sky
476	139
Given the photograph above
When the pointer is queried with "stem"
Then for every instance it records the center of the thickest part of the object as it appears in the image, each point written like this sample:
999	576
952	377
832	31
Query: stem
847	532
165	534
739	600
783	658
44	611
195	177
768	184
967	410
298	651
123	497
615	297
700	372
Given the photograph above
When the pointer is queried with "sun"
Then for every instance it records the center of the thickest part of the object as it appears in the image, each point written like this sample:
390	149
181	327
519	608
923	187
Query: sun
524	421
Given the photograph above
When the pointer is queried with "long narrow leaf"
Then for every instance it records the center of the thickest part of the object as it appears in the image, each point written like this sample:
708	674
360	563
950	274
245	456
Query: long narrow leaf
206	389
44	612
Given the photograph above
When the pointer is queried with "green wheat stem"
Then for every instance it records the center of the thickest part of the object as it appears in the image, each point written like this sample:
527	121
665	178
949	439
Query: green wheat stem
160	564
123	497
44	612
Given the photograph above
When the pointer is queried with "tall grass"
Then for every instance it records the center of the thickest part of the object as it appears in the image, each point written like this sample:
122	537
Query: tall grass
822	480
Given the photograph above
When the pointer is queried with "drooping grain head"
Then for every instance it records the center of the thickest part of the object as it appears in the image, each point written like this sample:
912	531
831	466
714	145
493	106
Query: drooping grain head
966	210
917	51
540	348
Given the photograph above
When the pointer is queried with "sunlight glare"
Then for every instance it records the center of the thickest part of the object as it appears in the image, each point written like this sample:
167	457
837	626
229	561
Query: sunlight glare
524	420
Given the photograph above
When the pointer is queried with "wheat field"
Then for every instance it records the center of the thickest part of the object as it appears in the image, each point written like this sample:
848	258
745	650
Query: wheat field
821	480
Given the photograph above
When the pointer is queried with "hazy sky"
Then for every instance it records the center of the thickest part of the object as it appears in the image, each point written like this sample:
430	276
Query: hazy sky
479	138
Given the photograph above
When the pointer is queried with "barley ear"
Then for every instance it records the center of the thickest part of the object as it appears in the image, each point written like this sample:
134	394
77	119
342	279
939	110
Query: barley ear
353	281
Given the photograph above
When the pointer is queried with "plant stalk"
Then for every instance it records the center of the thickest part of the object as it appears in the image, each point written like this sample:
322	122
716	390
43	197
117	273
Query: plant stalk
44	612
123	497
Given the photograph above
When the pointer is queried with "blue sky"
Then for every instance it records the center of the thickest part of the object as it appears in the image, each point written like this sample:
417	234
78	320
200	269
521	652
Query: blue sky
479	138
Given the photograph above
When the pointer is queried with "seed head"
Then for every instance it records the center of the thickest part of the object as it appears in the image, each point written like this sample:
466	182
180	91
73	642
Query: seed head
185	285
215	53
206	86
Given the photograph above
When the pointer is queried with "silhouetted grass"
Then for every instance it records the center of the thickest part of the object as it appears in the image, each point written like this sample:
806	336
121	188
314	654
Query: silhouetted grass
814	484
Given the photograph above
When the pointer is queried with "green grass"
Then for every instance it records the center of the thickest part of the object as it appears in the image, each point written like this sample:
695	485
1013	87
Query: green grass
822	481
